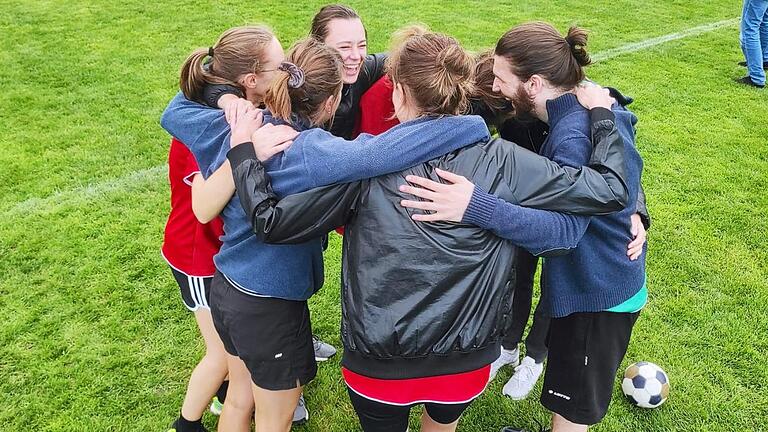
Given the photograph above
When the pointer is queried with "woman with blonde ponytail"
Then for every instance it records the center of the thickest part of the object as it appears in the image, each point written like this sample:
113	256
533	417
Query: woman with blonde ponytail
422	304
245	57
259	294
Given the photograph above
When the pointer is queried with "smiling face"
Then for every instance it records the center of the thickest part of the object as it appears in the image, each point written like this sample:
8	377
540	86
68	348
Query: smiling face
347	36
504	82
513	88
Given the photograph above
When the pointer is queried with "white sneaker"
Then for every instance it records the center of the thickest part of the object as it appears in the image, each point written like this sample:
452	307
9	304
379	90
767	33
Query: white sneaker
507	357
524	379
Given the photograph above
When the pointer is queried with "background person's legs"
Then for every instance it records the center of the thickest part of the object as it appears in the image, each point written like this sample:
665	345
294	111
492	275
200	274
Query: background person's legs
536	340
751	23
528	372
764	37
525	270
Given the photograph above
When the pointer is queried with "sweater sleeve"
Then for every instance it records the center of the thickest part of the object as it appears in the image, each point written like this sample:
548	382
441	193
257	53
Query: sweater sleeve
189	121
202	129
318	158
541	232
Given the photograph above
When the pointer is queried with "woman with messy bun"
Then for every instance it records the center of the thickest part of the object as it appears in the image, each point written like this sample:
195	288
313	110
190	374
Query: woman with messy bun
422	304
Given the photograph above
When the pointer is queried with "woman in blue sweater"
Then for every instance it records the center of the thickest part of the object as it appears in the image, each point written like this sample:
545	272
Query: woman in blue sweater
592	290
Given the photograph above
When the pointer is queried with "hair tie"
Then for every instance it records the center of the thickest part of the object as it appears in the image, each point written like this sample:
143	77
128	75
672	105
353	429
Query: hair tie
295	74
210	51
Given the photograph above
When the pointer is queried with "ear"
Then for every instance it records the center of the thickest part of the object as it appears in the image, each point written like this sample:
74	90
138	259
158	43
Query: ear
535	84
398	90
249	81
330	104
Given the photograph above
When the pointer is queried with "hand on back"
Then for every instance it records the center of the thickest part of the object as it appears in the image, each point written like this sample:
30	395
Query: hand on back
445	201
591	95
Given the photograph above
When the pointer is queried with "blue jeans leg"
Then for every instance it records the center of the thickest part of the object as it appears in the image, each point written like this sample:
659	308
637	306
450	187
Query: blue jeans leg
751	23
764	37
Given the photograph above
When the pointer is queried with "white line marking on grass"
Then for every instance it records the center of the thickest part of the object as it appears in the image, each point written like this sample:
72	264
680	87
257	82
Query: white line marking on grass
86	193
146	176
648	43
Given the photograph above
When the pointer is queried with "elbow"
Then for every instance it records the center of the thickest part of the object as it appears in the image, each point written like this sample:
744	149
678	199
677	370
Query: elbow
166	121
622	197
202	215
617	197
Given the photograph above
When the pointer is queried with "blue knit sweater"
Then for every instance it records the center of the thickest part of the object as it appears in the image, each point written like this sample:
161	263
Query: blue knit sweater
587	269
316	158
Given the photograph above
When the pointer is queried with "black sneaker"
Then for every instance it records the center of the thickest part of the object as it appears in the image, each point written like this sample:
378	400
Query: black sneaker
748	81
177	427
744	64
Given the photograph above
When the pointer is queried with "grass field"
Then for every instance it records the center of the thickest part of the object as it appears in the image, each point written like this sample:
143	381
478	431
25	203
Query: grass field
93	335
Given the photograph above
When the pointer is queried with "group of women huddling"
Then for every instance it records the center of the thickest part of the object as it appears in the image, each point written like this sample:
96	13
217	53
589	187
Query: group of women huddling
441	221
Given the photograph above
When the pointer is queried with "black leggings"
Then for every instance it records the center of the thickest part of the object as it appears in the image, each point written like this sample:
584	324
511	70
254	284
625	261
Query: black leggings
536	341
380	417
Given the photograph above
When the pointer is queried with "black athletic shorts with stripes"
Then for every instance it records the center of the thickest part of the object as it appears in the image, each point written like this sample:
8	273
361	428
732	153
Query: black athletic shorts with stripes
195	290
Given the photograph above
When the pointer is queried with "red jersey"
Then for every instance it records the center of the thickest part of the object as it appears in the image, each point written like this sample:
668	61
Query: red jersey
377	113
188	245
377	116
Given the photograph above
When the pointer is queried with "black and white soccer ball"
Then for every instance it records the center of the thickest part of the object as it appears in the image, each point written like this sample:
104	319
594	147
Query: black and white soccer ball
645	385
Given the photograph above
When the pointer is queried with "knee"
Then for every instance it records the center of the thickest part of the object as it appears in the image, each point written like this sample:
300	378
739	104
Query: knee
239	402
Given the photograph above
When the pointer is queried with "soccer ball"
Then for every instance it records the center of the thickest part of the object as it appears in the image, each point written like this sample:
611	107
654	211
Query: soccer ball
645	385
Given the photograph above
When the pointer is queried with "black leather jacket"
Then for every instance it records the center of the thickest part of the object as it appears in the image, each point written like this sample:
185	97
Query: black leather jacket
425	299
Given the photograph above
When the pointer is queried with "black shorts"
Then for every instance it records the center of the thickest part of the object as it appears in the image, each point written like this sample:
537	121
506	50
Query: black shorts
585	351
272	336
195	290
381	417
